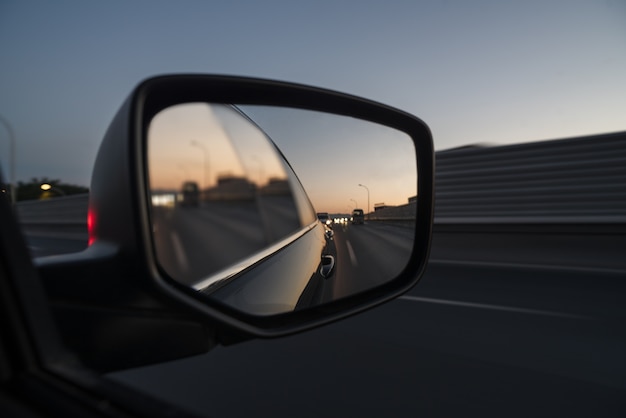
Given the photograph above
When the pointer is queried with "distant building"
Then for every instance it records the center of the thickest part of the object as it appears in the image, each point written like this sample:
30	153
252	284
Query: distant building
380	206
231	187
276	187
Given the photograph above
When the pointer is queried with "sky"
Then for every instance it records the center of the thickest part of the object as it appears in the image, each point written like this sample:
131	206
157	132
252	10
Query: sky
192	142
496	72
343	163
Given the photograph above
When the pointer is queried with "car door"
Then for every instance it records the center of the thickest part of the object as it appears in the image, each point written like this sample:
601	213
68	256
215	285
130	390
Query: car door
39	376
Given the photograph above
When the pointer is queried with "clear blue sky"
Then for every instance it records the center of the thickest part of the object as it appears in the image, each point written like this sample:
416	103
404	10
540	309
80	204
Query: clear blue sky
482	71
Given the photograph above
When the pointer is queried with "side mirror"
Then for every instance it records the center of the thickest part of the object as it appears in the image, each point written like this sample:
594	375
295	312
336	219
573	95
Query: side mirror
207	194
247	235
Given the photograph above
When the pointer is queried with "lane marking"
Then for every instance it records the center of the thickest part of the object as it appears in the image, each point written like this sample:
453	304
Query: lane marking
492	307
179	252
351	253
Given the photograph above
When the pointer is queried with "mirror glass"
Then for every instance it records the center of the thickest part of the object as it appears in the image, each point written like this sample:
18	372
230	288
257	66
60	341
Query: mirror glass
270	209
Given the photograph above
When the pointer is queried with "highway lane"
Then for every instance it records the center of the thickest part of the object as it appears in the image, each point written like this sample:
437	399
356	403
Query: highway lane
442	350
192	243
543	287
368	255
472	338
577	291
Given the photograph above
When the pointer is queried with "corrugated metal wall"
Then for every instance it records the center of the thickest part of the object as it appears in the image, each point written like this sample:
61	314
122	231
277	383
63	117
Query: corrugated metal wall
577	179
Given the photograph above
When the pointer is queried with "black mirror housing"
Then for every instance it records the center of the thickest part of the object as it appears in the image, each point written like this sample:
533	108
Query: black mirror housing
121	229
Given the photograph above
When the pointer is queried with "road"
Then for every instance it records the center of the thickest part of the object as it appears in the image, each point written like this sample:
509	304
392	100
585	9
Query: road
472	338
368	255
468	340
194	242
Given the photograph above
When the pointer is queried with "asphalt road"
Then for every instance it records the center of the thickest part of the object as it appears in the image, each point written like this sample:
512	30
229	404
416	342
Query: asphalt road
468	340
472	338
368	255
194	242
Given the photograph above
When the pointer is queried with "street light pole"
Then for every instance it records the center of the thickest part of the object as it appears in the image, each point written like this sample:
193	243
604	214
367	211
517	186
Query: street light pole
356	205
206	162
368	200
7	126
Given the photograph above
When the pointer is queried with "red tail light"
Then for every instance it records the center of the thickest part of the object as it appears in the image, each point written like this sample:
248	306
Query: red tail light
91	226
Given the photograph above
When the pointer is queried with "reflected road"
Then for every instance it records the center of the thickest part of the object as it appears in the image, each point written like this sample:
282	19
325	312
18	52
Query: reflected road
193	243
369	254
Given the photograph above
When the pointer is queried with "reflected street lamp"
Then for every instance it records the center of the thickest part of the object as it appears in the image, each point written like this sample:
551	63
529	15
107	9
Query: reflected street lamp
206	162
368	200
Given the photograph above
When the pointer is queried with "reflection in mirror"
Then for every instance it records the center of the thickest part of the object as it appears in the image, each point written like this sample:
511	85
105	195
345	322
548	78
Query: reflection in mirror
231	219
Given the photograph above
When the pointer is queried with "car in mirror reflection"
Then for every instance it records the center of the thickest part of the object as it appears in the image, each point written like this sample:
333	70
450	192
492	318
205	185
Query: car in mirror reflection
190	194
357	217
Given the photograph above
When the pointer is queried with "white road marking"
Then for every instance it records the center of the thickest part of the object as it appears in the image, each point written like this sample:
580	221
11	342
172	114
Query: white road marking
494	307
351	253
179	252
